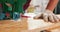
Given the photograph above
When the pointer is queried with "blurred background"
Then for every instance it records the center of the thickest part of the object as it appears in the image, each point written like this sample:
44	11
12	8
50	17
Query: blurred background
57	9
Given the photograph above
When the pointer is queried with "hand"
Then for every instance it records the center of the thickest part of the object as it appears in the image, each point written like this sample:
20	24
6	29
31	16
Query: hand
48	16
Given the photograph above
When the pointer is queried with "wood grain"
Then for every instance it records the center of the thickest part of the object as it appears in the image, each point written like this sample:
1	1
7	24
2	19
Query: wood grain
11	26
22	26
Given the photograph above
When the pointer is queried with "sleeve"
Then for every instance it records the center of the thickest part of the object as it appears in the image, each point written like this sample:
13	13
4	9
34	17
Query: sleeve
26	4
52	4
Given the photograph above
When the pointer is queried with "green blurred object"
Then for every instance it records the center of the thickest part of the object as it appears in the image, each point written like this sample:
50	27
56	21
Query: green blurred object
5	7
10	8
17	6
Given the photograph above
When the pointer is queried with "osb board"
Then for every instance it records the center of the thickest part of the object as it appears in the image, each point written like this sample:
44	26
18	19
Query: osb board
11	26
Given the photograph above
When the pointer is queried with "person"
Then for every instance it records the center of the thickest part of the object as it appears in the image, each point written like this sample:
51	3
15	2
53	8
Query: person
44	9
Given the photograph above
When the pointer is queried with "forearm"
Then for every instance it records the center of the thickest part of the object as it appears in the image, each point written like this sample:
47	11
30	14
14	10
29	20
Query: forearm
52	4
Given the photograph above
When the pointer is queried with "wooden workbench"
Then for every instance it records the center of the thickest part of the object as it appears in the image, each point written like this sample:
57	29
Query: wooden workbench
11	26
18	26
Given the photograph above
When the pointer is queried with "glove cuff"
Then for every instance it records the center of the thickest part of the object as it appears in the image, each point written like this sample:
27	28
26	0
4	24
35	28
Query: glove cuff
48	11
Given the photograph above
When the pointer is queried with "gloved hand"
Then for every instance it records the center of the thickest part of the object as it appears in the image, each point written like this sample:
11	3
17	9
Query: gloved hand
48	16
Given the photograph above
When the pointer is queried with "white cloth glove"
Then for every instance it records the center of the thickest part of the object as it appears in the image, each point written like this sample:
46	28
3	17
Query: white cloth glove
48	16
